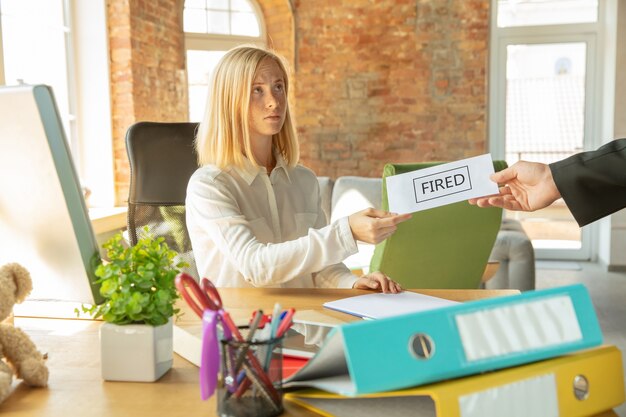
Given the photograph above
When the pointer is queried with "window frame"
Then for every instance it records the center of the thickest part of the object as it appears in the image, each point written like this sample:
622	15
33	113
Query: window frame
216	37
2	81
70	62
195	41
88	94
593	35
92	83
219	42
532	25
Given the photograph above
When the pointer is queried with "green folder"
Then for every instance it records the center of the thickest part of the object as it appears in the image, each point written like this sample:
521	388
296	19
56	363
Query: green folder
443	247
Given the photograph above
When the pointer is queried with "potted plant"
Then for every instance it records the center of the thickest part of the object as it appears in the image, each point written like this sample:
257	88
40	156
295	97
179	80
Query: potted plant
137	284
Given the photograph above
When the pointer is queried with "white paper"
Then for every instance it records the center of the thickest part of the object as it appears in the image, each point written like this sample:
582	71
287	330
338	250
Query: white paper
379	305
440	185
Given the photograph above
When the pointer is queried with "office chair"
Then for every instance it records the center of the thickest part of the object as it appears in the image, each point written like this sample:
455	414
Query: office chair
443	247
162	159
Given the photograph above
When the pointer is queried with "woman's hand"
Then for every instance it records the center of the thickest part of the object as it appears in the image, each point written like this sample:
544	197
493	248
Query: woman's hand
377	281
374	226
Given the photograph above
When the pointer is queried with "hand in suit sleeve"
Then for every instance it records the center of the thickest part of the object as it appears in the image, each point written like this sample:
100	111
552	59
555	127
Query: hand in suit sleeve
593	184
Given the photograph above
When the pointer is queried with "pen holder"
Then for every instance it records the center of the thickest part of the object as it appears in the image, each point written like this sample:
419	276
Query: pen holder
250	382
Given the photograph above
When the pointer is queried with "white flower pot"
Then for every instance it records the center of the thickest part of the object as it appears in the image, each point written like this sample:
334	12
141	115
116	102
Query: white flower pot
135	352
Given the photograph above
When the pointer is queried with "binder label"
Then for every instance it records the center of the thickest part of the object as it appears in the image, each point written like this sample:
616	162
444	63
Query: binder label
514	328
529	397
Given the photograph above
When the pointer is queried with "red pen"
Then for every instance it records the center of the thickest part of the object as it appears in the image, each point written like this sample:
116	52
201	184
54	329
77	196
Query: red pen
285	324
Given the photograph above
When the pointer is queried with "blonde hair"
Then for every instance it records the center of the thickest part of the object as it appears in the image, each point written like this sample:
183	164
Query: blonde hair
223	135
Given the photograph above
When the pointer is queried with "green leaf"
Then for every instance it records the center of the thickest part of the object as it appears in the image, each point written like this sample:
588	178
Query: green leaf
108	288
137	282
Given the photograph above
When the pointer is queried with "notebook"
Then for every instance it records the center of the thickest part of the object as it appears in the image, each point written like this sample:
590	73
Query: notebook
379	305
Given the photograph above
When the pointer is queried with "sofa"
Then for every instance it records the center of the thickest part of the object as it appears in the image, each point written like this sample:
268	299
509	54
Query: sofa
512	249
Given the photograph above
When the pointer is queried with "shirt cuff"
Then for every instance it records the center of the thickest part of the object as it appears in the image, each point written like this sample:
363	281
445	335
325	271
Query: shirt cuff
347	281
346	236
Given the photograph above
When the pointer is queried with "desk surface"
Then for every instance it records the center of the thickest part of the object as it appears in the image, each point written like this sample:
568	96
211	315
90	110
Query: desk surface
76	388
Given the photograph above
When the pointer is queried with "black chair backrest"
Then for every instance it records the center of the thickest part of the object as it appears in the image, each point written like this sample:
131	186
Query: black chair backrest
162	159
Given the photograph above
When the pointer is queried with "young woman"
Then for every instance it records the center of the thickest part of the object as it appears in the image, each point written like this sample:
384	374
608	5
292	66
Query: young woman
254	214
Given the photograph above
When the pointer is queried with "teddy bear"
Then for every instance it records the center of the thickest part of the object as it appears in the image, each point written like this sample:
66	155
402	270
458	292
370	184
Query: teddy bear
18	353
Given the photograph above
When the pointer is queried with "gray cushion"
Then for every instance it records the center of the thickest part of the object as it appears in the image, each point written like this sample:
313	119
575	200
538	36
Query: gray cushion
352	194
514	250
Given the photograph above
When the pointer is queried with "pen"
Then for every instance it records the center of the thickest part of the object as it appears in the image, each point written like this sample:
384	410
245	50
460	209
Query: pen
273	330
286	322
264	389
275	320
244	349
229	354
254	363
282	328
230	379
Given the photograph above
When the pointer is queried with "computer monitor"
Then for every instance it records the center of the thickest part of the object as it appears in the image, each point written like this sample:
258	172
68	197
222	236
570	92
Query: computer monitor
44	222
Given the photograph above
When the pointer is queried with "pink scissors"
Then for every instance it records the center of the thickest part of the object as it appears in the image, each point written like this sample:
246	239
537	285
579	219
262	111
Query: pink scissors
205	295
207	304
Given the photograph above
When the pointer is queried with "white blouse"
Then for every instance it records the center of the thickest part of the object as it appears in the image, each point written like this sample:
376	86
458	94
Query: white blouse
250	229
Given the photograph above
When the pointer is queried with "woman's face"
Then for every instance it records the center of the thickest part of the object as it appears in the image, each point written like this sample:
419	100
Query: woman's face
268	102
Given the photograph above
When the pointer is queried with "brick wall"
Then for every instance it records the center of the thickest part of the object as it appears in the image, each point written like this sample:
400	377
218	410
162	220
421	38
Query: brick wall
148	80
375	80
279	25
381	81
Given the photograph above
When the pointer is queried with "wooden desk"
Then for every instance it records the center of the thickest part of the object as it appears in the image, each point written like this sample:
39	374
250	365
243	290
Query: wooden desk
76	388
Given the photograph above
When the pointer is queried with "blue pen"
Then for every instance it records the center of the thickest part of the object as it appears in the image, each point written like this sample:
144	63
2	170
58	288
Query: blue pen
273	328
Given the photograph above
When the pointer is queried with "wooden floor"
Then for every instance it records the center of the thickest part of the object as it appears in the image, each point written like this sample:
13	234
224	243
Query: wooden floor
608	292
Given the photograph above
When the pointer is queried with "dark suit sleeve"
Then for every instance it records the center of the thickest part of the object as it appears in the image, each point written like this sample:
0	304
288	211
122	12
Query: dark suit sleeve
593	184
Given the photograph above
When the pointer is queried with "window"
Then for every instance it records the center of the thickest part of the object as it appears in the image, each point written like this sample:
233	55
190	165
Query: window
63	43
35	37
544	80
227	17
212	27
545	101
546	12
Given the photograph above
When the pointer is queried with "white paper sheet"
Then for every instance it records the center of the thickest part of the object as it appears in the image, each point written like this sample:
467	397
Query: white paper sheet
440	185
379	305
